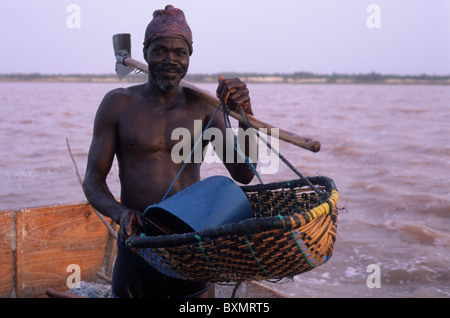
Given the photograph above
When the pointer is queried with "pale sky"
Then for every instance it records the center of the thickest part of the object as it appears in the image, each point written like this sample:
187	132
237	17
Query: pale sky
405	37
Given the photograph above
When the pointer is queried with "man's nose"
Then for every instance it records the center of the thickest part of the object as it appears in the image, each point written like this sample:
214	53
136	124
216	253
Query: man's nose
169	57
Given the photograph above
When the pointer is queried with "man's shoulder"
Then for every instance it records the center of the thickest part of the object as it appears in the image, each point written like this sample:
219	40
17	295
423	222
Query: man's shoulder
125	92
122	96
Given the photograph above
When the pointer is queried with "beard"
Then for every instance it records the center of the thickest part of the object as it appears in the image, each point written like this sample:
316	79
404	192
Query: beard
167	82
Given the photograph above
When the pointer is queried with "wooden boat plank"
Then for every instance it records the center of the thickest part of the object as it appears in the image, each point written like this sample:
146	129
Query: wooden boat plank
7	250
47	241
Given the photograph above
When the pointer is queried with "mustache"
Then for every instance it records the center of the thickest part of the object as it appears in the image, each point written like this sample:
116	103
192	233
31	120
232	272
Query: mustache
169	68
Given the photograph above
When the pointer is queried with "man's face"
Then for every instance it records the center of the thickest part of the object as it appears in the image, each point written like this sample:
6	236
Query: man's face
168	62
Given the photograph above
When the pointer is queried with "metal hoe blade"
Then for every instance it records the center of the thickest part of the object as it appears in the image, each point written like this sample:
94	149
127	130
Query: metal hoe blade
122	50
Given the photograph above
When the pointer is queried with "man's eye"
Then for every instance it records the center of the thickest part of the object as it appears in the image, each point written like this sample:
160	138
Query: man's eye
157	52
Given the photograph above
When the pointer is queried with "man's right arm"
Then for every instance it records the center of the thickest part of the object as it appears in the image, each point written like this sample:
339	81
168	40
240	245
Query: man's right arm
100	159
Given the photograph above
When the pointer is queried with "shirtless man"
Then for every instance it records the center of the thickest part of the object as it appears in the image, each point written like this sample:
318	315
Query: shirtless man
135	124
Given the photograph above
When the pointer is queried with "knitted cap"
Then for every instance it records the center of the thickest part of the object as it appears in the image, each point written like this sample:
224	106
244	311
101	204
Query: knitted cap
171	23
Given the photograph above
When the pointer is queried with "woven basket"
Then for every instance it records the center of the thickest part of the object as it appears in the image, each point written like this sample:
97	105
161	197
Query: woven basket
292	232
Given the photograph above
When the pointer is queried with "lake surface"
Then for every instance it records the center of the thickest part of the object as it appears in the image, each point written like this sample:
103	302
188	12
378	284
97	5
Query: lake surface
387	147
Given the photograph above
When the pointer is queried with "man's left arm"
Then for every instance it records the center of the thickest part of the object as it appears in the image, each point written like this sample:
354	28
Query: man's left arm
235	94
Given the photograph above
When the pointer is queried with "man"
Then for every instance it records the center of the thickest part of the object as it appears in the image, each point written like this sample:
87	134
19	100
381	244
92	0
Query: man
135	124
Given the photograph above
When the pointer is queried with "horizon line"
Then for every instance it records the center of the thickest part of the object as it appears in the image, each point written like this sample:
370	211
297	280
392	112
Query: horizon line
303	73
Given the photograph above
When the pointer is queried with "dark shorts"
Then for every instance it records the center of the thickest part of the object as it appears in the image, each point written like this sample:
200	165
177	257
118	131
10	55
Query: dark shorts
133	277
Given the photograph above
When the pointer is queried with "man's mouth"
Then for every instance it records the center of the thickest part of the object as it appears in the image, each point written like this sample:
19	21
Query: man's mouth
169	73
169	70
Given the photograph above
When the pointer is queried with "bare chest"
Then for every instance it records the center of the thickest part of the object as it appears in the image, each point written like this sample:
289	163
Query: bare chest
149	131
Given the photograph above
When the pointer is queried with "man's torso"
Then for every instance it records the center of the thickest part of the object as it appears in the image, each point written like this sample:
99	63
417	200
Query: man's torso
144	146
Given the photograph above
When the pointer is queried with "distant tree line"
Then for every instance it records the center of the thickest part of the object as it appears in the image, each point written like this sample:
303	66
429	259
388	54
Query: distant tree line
250	77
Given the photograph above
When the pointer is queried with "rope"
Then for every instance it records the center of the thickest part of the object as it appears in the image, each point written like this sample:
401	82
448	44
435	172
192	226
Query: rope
200	245
247	159
302	251
321	194
192	151
255	257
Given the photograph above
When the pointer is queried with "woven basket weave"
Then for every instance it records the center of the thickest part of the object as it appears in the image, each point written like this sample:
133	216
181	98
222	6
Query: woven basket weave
292	232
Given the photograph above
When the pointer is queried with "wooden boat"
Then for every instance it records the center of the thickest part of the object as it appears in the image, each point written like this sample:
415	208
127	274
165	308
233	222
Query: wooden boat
38	246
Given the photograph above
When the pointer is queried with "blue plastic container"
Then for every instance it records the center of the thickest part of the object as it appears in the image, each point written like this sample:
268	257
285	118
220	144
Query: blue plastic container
210	203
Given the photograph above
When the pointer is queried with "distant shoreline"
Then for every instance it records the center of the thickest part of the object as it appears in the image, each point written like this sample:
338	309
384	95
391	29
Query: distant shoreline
294	78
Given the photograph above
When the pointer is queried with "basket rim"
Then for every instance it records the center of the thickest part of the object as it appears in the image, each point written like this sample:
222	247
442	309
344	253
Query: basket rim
249	226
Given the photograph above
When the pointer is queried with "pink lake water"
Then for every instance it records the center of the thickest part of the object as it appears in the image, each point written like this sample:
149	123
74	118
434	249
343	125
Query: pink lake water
387	147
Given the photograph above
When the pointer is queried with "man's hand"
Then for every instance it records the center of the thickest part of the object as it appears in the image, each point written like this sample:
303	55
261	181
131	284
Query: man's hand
130	224
234	93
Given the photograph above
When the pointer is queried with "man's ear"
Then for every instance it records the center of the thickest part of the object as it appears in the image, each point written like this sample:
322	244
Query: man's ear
145	53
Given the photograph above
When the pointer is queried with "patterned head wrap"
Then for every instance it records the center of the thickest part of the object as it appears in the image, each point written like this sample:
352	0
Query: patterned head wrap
171	23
